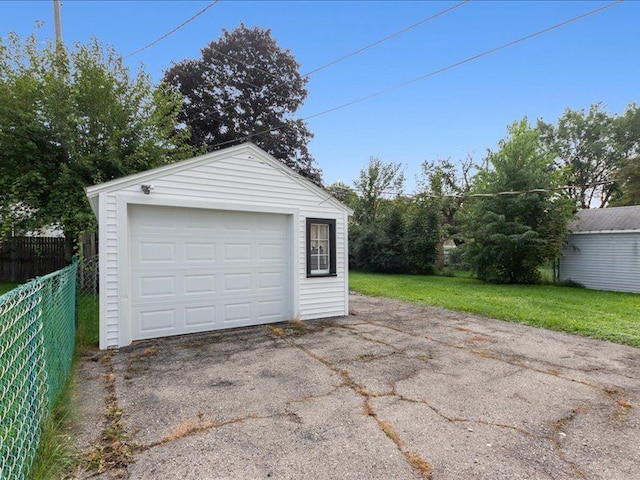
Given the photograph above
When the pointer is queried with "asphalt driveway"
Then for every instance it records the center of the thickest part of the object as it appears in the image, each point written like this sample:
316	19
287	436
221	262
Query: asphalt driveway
394	391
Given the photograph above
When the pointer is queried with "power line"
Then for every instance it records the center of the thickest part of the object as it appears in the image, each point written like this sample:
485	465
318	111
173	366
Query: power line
384	39
502	194
466	60
322	67
339	59
430	74
190	19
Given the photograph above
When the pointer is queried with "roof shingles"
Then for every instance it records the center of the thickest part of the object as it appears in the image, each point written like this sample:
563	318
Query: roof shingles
606	219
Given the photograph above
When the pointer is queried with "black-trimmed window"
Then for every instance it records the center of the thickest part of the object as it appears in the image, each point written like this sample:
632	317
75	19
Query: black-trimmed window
321	247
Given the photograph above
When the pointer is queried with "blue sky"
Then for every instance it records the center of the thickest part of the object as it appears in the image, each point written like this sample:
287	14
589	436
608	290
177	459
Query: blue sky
462	111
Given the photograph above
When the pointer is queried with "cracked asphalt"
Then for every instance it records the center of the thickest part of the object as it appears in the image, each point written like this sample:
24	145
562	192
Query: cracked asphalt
394	391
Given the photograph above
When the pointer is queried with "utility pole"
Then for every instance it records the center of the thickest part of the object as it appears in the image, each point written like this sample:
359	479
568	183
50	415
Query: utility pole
58	24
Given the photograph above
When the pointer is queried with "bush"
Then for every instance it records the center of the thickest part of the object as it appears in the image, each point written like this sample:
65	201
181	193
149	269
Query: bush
405	240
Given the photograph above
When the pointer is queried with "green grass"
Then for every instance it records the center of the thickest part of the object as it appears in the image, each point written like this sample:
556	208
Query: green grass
56	457
610	316
5	287
88	332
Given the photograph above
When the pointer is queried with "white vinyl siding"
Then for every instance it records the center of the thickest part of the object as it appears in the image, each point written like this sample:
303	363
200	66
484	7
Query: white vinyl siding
247	179
603	261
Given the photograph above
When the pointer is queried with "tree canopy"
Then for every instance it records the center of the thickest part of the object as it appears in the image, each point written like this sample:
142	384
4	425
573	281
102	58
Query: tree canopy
592	149
379	180
69	119
509	236
628	173
245	86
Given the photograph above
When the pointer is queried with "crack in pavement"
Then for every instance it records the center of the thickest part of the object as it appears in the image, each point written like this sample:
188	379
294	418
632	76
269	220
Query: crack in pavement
465	420
423	467
487	354
560	425
484	335
395	351
332	391
193	427
614	393
114	452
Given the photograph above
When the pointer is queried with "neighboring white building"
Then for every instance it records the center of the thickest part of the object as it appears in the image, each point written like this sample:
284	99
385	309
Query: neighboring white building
603	250
19	213
228	239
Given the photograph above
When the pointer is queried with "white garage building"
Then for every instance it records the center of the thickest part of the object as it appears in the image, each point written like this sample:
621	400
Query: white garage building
228	239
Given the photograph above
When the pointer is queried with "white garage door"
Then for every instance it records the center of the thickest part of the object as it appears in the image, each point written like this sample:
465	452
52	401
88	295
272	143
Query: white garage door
194	270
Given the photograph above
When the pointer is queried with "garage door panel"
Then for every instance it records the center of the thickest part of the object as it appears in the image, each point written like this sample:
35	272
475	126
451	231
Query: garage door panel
154	287
199	284
156	252
268	252
237	313
237	252
157	321
200	316
237	282
233	222
271	280
269	225
155	219
270	310
206	270
199	252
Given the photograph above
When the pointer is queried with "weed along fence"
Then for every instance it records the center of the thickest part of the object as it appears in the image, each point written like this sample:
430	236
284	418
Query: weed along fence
37	328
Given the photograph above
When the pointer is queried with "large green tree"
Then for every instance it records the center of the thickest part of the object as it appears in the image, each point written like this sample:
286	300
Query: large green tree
509	236
378	182
442	184
628	173
422	236
343	192
73	118
586	150
245	86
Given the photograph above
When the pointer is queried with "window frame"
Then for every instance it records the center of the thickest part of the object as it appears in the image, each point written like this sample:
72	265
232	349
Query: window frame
332	246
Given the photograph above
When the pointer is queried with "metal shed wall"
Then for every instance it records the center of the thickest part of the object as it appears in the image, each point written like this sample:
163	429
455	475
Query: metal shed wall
603	260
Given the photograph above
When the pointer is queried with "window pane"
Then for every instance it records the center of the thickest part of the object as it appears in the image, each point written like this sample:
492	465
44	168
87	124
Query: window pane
314	262
320	247
323	232
323	246
324	262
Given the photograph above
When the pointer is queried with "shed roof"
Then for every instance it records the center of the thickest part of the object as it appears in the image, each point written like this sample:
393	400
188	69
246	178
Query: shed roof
606	219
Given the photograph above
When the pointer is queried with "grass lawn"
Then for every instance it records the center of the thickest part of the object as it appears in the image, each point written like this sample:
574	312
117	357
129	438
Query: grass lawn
5	287
88	333
610	316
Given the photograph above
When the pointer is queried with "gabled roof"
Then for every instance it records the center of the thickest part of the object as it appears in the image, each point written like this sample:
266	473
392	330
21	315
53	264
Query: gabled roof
606	219
247	147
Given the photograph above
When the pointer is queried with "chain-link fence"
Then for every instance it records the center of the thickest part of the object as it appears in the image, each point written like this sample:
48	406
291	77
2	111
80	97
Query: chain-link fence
37	325
88	302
